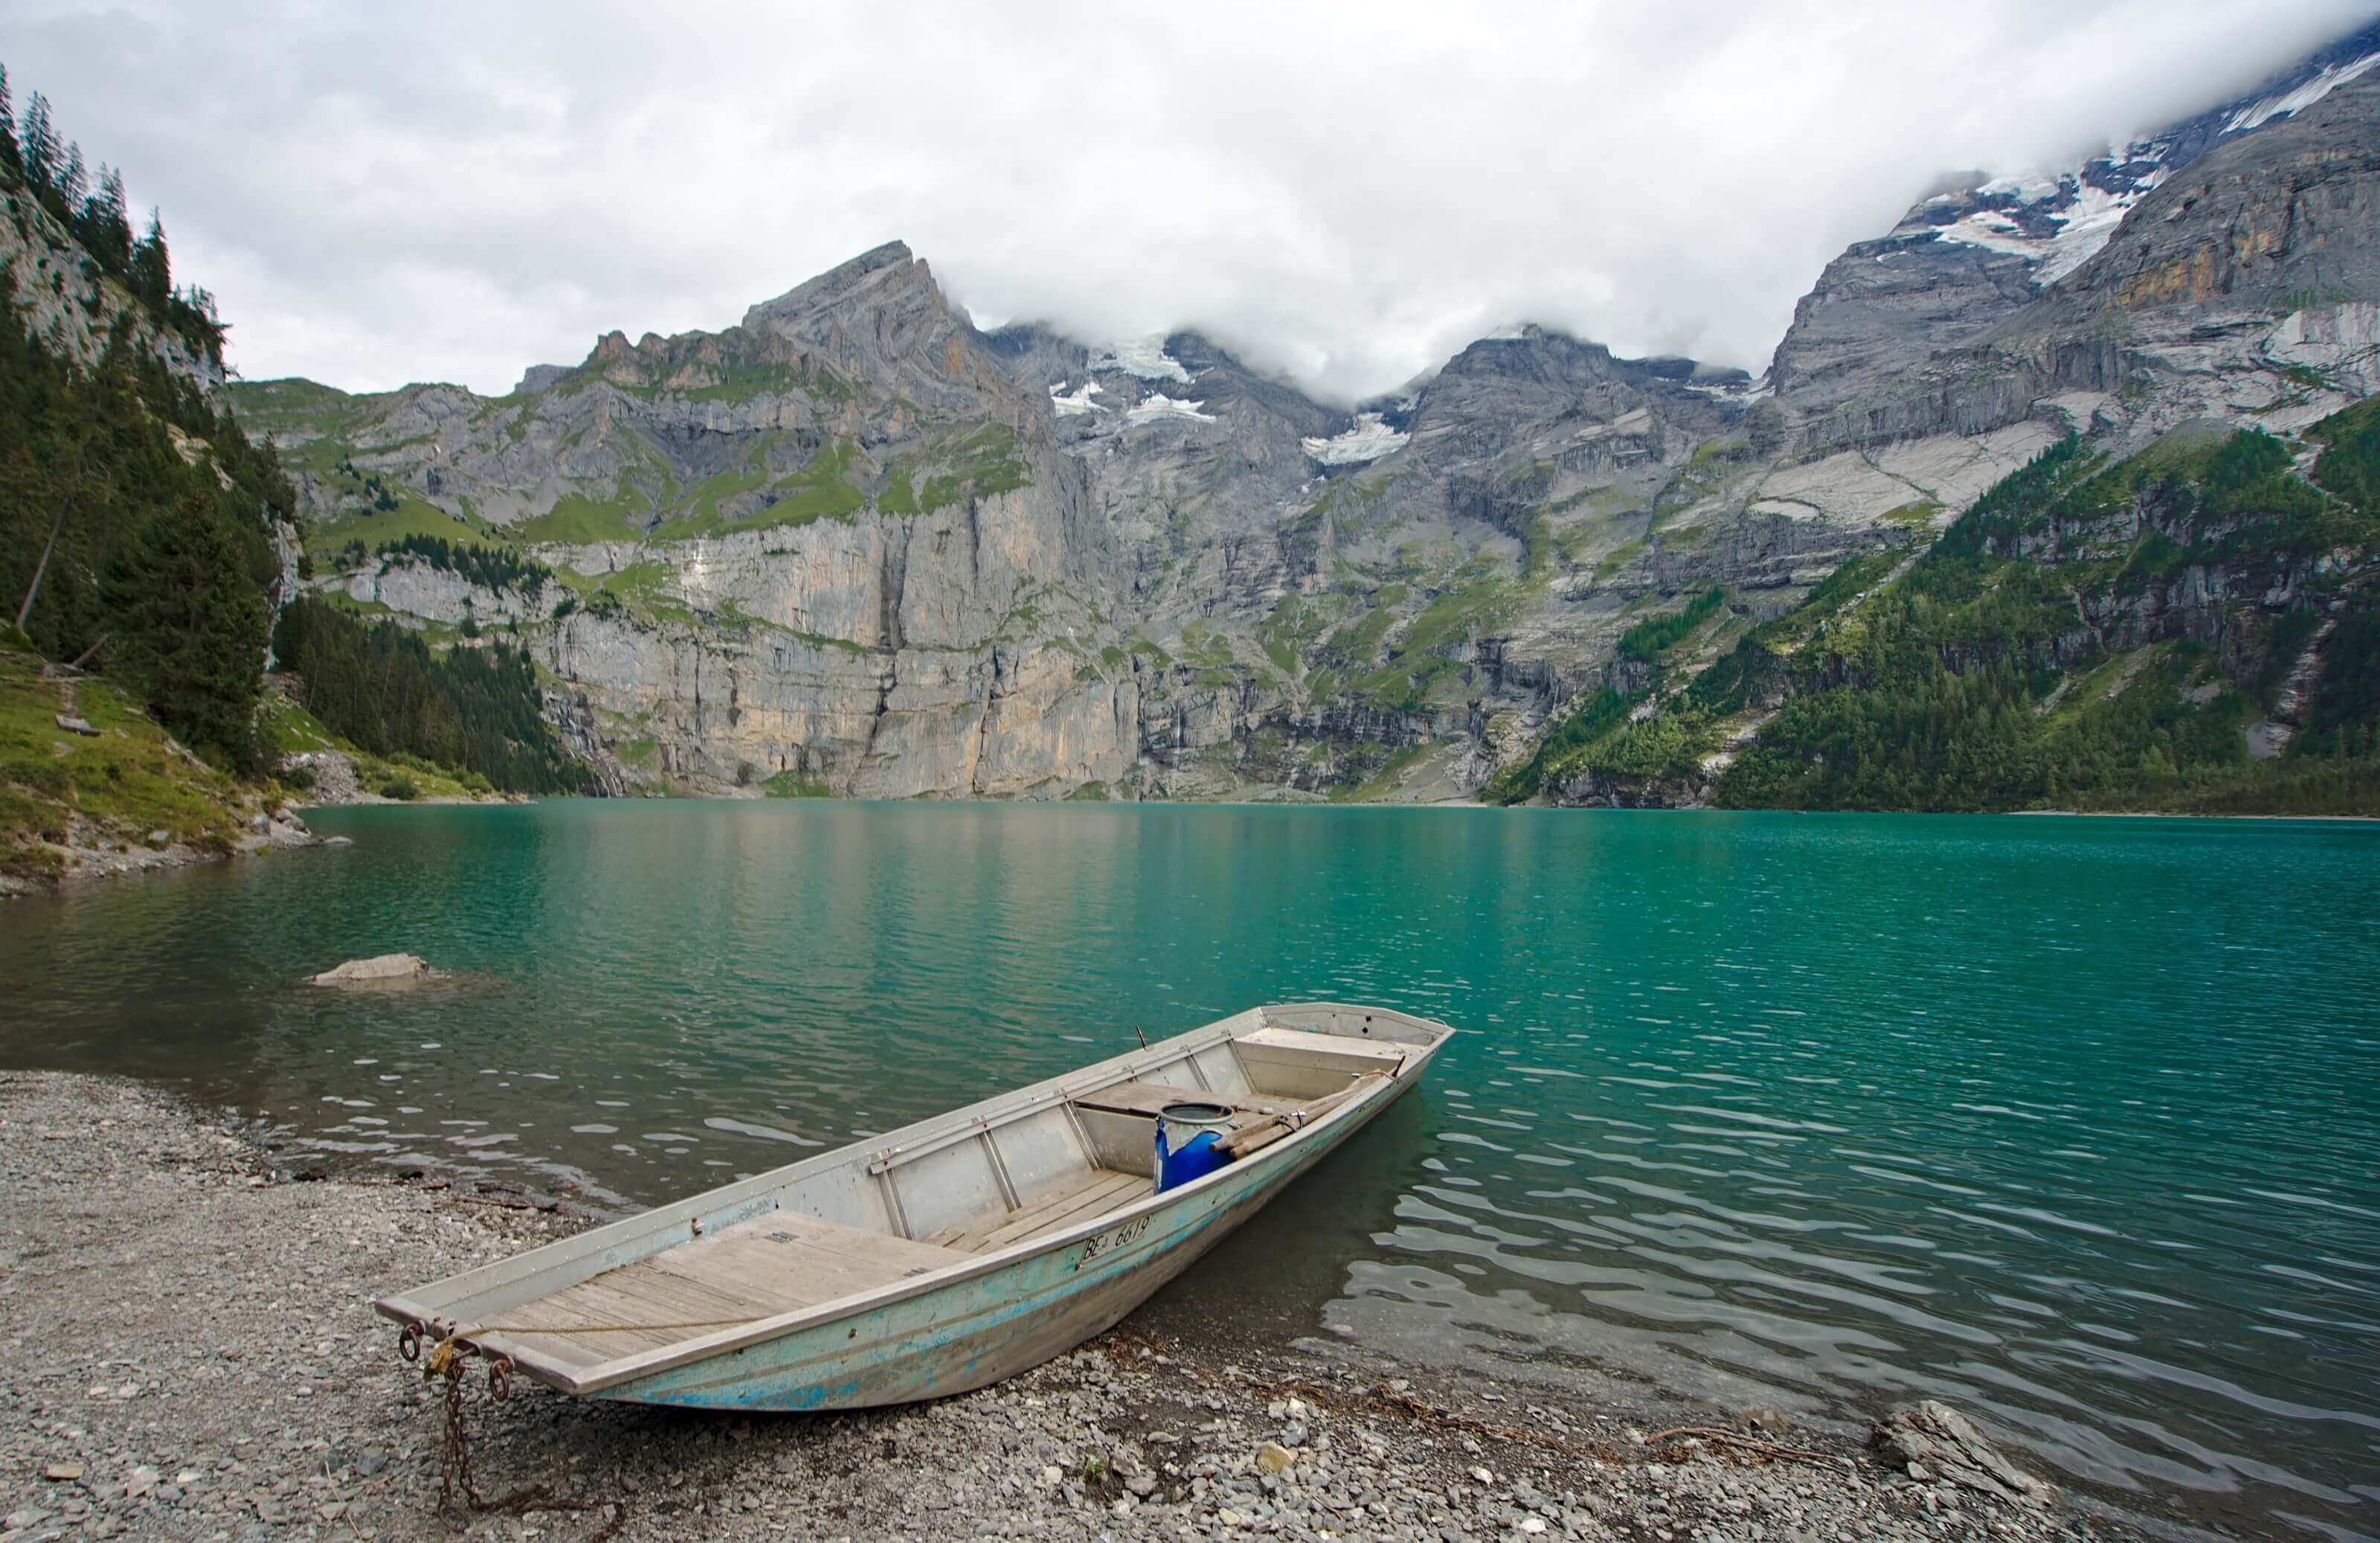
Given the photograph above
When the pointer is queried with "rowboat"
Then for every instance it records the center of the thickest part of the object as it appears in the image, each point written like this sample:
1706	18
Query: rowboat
945	1255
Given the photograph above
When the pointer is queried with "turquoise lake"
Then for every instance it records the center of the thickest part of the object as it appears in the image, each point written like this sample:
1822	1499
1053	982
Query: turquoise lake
2072	1122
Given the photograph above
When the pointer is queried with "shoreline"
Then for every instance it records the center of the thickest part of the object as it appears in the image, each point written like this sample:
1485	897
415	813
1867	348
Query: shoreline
87	860
207	1364
1459	804
88	863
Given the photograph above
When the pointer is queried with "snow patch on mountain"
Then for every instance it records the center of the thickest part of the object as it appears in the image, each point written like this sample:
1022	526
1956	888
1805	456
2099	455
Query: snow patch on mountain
1370	439
1156	405
2058	221
2086	225
2328	79
1078	403
1992	230
1743	394
1144	358
2025	188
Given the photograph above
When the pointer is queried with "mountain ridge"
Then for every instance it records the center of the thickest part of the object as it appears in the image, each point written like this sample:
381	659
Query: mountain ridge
916	558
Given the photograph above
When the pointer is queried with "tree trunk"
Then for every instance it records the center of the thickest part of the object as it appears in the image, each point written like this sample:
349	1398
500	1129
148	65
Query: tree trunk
33	589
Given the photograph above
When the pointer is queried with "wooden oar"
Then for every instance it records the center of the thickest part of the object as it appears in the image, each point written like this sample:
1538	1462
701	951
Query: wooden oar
1255	1136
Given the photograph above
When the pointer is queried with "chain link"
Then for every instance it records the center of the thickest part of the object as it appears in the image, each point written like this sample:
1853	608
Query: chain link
457	1493
458	1489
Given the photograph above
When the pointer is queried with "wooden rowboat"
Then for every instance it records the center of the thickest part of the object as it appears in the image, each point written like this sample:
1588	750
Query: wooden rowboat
940	1257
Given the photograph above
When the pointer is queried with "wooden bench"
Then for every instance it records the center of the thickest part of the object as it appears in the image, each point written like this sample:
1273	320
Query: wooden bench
771	1264
1096	1192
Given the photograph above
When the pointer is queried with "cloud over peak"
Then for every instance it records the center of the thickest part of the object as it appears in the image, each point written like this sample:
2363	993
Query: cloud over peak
1344	192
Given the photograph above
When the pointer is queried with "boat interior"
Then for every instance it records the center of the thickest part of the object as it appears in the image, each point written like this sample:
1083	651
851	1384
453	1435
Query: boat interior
976	1182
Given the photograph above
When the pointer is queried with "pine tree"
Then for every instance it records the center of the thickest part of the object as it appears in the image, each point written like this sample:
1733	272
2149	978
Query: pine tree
193	626
37	145
107	225
9	161
151	274
74	180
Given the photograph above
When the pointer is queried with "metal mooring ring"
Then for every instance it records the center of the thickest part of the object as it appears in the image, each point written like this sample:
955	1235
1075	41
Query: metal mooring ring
500	1378
409	1342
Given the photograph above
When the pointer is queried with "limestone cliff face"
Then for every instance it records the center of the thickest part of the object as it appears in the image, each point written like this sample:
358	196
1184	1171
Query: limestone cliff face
58	292
835	545
854	545
881	656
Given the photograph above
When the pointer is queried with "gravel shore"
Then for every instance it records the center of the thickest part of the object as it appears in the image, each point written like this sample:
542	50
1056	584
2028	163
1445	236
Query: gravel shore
191	1356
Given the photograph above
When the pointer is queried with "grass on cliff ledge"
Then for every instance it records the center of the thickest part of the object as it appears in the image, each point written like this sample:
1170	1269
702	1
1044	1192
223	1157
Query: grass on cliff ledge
412	517
792	785
821	489
119	784
290	730
578	520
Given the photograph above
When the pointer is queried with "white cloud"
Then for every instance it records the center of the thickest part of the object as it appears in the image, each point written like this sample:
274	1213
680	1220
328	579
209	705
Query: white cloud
1347	191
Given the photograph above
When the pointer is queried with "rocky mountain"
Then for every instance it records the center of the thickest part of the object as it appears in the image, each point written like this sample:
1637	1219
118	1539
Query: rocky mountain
63	297
854	546
2195	627
1940	324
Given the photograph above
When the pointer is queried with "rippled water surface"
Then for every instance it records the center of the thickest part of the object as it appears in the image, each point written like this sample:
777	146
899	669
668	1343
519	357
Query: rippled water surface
2072	1121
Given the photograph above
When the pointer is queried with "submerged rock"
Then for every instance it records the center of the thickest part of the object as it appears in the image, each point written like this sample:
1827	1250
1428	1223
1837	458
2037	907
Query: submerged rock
385	969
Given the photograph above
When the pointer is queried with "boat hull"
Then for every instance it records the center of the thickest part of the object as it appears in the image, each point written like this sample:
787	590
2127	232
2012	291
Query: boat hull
979	1329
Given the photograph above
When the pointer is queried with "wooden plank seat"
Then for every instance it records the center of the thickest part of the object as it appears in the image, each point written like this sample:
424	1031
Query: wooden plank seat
771	1264
1094	1193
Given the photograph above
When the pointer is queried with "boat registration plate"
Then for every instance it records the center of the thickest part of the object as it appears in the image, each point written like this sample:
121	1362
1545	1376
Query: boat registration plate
1109	1242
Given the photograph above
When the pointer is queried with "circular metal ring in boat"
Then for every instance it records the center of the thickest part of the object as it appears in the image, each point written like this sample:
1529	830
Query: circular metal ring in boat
1194	1116
409	1342
500	1378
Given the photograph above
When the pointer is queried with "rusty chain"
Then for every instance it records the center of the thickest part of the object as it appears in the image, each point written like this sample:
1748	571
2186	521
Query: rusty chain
455	1487
458	1489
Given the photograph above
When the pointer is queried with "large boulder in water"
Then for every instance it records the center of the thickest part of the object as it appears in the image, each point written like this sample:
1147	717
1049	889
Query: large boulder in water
386	970
1929	1438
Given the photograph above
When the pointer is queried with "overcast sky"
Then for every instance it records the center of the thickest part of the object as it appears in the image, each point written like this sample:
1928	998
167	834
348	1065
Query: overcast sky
1347	192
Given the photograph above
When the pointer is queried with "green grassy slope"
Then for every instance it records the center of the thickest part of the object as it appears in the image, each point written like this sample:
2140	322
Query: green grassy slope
115	787
2090	635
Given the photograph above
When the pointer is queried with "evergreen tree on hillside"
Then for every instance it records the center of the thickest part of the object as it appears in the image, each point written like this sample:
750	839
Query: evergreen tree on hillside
150	273
74	180
382	687
37	146
35	156
104	225
11	164
194	624
122	543
95	495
